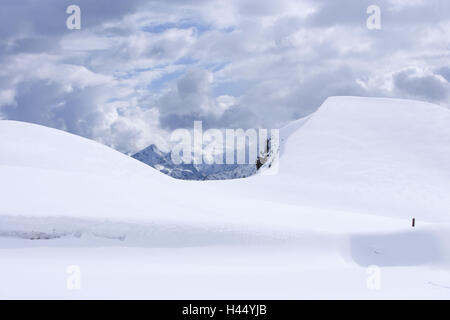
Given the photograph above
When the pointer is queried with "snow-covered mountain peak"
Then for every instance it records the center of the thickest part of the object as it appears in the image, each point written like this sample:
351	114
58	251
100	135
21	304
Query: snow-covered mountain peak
163	162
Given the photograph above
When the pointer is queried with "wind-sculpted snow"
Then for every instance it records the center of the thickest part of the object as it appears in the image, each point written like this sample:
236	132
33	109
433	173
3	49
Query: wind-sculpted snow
371	156
378	156
338	197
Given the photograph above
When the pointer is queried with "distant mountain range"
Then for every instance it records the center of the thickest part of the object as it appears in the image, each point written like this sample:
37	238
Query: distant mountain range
162	162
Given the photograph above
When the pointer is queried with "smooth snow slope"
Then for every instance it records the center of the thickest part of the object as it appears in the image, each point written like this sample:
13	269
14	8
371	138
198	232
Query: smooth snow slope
70	185
379	156
351	176
383	155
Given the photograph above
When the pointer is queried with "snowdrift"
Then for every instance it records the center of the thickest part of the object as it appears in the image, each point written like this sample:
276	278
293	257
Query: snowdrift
347	182
357	165
380	155
369	155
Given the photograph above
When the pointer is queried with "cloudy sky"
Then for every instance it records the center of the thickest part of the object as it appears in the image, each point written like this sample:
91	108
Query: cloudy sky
139	69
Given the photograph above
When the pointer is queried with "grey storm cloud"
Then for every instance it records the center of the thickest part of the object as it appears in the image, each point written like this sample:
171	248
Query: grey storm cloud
395	12
44	17
139	69
445	72
428	87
